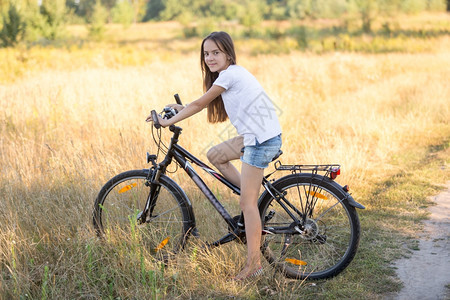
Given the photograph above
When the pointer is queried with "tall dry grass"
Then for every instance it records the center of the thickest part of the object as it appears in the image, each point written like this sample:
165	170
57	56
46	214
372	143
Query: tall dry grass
65	132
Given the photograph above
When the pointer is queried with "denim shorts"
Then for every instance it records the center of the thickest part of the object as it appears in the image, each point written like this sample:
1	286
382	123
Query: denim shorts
260	155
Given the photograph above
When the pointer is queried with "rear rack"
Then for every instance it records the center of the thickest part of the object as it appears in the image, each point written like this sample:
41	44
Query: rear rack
331	170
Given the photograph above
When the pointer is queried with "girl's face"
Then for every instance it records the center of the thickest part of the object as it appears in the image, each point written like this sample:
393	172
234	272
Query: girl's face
215	59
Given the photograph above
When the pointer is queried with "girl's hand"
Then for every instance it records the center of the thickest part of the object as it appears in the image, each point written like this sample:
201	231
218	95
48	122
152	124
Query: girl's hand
161	121
149	118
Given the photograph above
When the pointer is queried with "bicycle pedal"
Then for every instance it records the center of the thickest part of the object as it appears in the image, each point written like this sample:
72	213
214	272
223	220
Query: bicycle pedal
195	232
269	216
267	231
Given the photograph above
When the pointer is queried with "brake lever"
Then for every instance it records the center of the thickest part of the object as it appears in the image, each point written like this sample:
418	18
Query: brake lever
169	112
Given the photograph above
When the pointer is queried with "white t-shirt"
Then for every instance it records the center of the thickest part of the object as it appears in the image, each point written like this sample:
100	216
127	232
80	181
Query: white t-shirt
247	105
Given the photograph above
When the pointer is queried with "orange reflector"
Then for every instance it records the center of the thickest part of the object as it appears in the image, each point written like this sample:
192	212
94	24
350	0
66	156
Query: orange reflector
127	188
318	195
162	244
296	262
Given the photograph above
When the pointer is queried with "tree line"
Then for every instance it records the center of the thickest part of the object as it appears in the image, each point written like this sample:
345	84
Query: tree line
45	19
166	10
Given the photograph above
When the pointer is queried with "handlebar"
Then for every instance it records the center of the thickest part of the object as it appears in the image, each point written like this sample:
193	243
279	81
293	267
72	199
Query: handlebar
169	112
177	98
155	119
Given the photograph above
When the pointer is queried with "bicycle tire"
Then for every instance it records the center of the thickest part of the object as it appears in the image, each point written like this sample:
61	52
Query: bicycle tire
123	198
334	228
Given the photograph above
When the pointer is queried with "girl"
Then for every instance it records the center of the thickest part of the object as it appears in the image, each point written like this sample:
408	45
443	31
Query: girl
232	92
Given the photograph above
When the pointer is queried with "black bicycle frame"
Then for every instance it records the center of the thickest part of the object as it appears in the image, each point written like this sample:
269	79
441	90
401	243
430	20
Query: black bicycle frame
184	159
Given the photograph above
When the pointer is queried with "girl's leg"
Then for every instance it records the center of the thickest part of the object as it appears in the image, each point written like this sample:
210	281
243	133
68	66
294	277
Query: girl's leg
251	183
221	155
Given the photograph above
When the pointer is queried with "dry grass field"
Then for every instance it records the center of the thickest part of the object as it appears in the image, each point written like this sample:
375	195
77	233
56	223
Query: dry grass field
73	116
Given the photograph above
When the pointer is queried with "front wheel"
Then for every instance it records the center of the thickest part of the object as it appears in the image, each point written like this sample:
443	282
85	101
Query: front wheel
120	204
322	239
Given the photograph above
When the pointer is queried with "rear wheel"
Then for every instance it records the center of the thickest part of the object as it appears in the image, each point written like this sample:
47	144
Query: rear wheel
121	201
323	241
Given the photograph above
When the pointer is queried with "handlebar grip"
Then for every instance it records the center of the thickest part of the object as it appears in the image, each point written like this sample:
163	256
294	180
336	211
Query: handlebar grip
155	119
177	98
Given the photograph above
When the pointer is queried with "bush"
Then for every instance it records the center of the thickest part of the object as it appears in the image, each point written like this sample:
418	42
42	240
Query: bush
54	14
123	13
13	27
251	17
97	21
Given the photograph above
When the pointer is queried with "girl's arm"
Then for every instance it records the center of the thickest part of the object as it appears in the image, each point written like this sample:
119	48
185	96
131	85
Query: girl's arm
193	107
178	107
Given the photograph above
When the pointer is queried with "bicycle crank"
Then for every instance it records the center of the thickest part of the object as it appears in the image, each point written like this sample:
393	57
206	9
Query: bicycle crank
240	232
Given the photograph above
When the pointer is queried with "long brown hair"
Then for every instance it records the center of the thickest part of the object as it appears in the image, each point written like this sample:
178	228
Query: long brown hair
216	109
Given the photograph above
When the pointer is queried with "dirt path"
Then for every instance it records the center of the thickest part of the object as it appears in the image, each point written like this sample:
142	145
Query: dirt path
426	274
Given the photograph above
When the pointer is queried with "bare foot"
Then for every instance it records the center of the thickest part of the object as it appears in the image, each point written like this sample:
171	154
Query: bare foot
249	272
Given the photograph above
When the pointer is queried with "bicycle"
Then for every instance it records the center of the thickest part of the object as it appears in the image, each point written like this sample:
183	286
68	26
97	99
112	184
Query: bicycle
310	225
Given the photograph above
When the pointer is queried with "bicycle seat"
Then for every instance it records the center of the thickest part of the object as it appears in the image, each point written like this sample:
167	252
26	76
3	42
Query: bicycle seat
277	155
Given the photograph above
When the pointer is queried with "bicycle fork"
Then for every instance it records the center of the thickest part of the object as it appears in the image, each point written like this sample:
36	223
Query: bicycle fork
152	183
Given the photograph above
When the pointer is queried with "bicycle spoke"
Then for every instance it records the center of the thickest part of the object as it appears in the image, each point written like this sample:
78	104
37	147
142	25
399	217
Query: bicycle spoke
153	218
